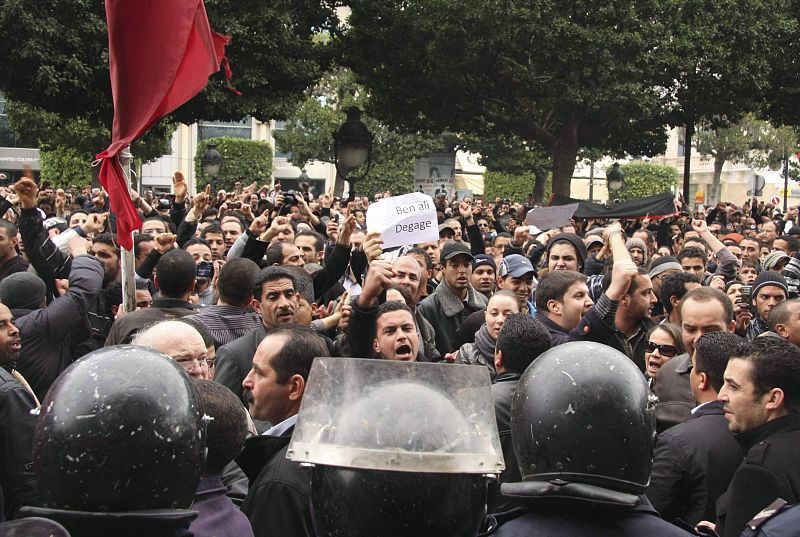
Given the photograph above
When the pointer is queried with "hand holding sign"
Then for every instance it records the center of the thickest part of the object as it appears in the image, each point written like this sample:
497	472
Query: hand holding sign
406	219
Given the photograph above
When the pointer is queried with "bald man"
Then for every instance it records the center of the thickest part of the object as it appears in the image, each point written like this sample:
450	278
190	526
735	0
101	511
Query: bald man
181	342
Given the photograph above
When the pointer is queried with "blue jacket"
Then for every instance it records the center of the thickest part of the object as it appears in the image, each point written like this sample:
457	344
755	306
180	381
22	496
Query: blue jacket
216	514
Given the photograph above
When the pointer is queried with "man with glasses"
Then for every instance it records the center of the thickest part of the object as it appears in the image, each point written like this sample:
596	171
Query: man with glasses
181	342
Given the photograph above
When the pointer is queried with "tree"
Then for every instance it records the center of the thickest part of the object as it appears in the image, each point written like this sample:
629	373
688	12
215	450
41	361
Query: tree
244	161
308	135
57	59
645	179
567	76
752	141
717	59
65	167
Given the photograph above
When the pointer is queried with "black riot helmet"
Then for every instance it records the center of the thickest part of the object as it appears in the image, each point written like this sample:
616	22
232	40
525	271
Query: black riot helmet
582	424
120	430
397	449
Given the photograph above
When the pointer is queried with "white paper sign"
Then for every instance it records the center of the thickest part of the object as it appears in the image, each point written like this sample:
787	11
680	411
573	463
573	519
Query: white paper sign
406	219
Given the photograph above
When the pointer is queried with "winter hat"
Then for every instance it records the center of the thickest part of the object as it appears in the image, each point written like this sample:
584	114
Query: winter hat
484	260
633	242
663	264
22	290
575	241
765	279
772	259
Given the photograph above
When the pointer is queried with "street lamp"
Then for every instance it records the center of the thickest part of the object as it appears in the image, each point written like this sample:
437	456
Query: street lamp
615	178
212	164
352	148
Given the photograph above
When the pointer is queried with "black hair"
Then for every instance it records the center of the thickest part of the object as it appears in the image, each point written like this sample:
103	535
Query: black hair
168	226
274	255
138	239
226	431
212	229
270	274
392	305
521	340
692	252
304	284
424	254
502	234
634	282
319	242
108	239
10	227
237	217
175	273
193	241
235	282
711	354
776	364
779	314
791	242
674	284
301	345
554	285
707	294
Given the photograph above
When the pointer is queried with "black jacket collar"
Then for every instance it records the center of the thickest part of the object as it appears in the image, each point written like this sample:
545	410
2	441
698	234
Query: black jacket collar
783	424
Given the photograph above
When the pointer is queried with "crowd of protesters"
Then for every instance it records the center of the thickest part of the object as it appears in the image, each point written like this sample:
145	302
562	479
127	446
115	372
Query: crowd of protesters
244	288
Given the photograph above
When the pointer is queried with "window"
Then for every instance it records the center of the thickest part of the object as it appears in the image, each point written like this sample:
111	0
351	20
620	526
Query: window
230	129
280	126
681	141
7	136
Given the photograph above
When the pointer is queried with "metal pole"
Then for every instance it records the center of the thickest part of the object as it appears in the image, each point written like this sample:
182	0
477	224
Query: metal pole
126	256
785	181
591	181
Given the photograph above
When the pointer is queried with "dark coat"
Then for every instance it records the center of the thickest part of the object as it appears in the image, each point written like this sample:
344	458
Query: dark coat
217	516
46	332
152	522
126	327
278	504
579	520
674	392
693	466
17	481
771	470
596	325
502	393
445	311
234	360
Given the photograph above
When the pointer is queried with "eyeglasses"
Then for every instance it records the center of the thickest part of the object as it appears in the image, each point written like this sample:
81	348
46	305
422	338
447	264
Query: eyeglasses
191	365
667	351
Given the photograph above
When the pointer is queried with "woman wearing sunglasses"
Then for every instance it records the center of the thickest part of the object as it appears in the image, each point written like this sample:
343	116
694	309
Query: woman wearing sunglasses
663	342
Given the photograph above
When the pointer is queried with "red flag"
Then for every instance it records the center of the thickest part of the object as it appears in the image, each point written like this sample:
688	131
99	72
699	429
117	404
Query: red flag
161	54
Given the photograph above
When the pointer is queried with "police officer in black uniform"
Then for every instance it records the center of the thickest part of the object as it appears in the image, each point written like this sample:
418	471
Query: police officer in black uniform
119	446
583	428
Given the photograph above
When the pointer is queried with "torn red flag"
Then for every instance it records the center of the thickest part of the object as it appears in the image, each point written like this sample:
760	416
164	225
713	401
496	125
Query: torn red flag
161	54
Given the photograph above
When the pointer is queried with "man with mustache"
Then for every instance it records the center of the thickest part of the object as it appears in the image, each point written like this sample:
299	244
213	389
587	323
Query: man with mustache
275	299
16	423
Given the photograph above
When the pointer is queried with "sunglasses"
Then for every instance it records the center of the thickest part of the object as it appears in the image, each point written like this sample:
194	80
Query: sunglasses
667	351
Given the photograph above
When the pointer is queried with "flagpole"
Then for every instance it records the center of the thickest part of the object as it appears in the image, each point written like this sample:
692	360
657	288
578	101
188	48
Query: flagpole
126	256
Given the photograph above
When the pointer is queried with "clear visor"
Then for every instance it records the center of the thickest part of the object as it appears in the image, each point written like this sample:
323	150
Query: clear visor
398	416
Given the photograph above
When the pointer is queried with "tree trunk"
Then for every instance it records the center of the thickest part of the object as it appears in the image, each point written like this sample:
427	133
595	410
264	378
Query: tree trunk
565	155
714	195
540	178
687	161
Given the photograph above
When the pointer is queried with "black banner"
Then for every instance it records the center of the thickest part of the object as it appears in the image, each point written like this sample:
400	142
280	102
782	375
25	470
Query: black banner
658	206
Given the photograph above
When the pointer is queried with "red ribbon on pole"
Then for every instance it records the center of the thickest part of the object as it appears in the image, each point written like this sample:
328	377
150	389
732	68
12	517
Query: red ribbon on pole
161	54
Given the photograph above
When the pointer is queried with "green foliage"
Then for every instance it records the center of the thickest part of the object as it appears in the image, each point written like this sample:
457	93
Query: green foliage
86	135
564	76
244	161
308	135
516	187
644	179
57	59
66	166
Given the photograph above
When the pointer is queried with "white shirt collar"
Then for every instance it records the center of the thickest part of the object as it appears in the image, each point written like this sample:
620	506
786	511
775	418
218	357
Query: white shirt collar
282	427
701	405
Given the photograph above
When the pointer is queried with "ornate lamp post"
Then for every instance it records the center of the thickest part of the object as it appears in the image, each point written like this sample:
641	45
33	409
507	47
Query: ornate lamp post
615	178
352	148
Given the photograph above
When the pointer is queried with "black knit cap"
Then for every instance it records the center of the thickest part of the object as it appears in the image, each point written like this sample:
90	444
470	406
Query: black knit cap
769	278
575	241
